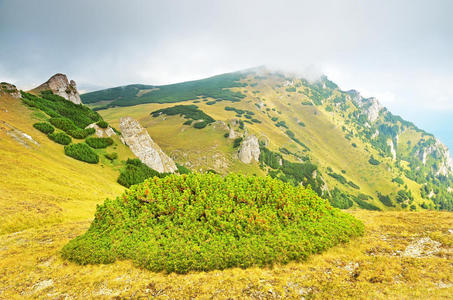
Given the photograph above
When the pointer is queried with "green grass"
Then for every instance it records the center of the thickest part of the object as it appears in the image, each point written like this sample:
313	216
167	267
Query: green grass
205	222
217	87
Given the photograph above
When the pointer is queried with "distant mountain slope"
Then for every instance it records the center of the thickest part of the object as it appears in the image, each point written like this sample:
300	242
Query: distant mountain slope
214	87
348	148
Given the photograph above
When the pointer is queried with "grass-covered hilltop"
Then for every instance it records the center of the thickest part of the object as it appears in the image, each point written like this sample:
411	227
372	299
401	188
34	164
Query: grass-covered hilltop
204	221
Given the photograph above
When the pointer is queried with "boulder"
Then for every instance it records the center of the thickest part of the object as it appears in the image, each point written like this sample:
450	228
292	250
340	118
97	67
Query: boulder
141	144
250	149
102	132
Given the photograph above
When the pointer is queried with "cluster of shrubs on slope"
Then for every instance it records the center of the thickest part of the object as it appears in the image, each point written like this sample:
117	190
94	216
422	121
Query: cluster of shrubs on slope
44	127
294	173
82	152
203	222
217	87
99	142
65	115
341	179
71	119
240	112
191	112
293	137
60	138
70	128
135	172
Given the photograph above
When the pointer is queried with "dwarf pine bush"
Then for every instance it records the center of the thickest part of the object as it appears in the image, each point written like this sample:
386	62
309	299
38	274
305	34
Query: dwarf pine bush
82	152
99	143
60	138
44	127
203	222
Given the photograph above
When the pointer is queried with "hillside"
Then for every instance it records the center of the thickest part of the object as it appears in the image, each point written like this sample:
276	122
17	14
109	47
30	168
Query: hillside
48	199
348	148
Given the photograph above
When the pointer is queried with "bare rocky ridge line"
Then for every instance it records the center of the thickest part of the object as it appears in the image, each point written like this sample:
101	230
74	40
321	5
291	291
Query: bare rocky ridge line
60	85
141	144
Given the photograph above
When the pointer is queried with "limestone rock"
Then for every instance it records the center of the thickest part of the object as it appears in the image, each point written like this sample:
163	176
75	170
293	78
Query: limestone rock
60	85
250	149
232	134
441	153
370	106
102	132
141	144
392	149
8	88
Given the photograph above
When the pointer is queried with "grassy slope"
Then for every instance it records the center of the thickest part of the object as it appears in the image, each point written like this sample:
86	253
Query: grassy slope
40	184
322	134
46	199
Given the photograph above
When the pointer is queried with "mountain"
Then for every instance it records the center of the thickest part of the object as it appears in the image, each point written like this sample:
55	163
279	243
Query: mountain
48	198
350	149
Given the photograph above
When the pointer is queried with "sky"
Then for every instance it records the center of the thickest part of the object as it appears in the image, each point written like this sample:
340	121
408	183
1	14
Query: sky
400	52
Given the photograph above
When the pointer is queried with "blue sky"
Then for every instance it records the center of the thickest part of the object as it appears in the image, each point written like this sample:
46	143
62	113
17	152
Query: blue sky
398	51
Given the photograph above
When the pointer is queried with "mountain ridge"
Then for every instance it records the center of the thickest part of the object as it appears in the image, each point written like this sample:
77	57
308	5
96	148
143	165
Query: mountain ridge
299	108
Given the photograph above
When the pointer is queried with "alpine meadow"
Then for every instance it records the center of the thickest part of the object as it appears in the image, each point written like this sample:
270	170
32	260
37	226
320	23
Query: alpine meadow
226	150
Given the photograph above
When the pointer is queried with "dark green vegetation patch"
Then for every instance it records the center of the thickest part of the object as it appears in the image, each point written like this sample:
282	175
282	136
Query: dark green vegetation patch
136	172
99	142
204	222
217	87
44	127
65	115
81	152
60	138
191	112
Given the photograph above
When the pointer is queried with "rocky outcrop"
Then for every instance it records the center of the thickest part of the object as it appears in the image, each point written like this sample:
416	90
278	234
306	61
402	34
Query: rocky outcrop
440	152
102	132
60	85
10	89
250	149
370	106
232	134
141	144
392	148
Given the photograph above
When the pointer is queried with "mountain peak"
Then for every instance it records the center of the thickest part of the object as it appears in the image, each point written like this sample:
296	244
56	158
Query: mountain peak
60	85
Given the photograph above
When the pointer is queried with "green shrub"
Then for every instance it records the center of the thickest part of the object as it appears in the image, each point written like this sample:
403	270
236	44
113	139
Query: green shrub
64	124
136	172
44	127
353	185
183	170
340	178
60	138
205	222
111	156
385	199
99	142
365	205
188	122
80	133
102	124
398	180
200	125
340	199
373	161
237	142
81	152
